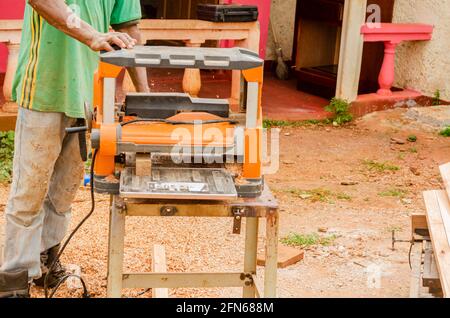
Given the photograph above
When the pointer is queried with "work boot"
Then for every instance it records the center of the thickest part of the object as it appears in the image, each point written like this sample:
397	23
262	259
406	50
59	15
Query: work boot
14	284
58	272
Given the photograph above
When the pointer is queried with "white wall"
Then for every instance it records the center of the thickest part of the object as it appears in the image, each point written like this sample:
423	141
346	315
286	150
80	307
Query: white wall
425	66
283	16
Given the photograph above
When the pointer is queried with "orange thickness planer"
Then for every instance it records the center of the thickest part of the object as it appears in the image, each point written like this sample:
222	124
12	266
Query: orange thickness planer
174	146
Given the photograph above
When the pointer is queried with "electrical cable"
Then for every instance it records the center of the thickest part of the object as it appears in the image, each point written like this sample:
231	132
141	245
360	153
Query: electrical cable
410	254
166	121
66	243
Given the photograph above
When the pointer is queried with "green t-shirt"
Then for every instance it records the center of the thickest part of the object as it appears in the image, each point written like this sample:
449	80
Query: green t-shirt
55	72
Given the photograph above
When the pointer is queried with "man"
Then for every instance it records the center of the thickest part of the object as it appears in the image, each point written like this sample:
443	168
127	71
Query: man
57	62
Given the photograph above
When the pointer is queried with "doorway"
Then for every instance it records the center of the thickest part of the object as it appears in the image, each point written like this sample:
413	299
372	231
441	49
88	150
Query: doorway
317	42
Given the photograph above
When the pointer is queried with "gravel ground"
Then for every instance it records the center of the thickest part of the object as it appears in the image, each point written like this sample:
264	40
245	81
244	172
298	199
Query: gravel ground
360	217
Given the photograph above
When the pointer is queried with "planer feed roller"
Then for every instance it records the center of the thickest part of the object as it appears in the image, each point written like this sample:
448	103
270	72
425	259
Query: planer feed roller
174	146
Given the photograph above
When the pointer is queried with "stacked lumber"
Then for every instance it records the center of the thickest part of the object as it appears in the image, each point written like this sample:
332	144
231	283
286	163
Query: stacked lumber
435	259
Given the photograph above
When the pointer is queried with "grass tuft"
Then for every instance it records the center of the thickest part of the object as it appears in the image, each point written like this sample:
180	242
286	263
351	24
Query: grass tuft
308	240
395	193
6	155
268	123
320	195
445	132
341	110
380	166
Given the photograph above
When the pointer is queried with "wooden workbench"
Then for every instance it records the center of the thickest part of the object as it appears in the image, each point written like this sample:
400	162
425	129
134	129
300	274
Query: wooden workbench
252	209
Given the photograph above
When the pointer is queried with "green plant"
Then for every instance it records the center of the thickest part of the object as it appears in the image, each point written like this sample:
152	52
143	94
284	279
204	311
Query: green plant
396	193
413	150
380	166
343	197
269	123
437	98
445	132
340	109
412	138
6	155
308	240
320	195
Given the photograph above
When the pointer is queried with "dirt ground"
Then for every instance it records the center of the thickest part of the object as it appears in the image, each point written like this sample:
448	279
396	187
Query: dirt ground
359	216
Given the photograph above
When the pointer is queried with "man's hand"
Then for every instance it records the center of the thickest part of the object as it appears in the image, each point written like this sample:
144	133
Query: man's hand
138	74
105	41
57	13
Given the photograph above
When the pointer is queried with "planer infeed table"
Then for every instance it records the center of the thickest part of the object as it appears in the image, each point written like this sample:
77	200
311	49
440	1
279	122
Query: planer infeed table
169	154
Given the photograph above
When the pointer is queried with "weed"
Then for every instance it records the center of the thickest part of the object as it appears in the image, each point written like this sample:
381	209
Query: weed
412	138
437	98
413	150
395	193
340	109
6	155
343	197
380	166
445	132
268	123
320	195
308	240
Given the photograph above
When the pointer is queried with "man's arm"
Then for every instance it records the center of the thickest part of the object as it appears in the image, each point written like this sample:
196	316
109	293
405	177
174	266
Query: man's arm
138	74
57	13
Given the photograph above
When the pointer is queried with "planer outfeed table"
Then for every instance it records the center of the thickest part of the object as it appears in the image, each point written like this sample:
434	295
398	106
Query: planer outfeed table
218	172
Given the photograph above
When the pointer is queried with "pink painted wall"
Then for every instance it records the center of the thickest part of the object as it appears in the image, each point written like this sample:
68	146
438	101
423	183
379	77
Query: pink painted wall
264	18
9	9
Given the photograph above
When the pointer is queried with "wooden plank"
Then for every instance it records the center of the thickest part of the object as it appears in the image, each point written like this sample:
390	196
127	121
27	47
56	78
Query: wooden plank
159	266
287	256
186	280
352	44
115	252
416	262
430	277
438	205
445	173
143	165
271	270
419	225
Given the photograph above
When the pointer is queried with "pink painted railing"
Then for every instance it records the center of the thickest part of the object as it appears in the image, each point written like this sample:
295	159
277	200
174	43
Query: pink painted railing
393	34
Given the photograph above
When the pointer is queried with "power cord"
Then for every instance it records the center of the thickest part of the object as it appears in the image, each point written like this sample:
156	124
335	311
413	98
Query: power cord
66	243
172	122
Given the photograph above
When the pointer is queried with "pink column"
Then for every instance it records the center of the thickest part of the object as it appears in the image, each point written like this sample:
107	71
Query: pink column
387	73
264	18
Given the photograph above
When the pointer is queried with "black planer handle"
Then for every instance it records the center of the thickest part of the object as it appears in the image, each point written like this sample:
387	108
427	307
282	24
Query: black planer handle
81	129
76	130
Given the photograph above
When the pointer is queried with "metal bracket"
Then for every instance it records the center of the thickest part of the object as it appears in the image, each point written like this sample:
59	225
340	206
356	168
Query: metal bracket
248	279
239	213
120	205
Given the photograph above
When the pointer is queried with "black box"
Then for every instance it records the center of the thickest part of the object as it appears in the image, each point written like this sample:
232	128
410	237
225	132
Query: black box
227	13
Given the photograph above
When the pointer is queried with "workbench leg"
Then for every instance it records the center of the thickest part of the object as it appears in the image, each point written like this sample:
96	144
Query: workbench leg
115	251
270	275
251	251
